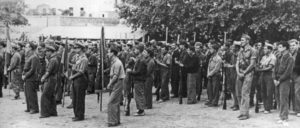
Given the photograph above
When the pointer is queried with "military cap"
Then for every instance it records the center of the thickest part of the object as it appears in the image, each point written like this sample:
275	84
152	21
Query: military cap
79	44
14	45
246	36
140	47
50	47
130	43
293	40
237	43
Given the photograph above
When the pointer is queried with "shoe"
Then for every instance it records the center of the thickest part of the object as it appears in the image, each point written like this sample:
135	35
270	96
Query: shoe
16	97
26	111
33	112
54	115
207	103
70	106
113	125
235	108
266	112
44	116
244	117
240	116
77	119
139	114
232	107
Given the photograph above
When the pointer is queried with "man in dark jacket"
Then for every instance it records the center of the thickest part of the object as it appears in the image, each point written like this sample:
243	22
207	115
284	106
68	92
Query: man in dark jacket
139	77
283	76
30	76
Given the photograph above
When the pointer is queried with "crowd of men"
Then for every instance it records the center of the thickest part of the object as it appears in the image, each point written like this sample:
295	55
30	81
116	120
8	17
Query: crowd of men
133	69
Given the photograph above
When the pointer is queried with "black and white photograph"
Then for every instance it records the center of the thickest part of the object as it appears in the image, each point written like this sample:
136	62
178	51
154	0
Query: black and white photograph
150	63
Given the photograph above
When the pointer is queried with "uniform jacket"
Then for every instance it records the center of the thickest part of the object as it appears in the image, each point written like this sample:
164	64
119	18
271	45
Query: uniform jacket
31	67
284	67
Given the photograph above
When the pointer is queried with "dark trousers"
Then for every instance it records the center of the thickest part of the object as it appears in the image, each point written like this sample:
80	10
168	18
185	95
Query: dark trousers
48	103
255	87
91	87
148	92
213	89
184	83
284	92
199	81
267	89
175	81
31	95
164	94
59	88
79	88
1	83
297	93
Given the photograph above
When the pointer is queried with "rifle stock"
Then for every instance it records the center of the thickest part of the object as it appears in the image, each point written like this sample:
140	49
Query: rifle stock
224	90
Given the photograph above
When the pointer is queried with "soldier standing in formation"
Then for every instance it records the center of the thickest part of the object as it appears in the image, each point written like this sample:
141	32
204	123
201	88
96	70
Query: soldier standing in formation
117	74
15	70
80	82
48	103
30	76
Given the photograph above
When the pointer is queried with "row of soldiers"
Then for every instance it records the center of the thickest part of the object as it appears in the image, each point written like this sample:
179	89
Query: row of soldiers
135	68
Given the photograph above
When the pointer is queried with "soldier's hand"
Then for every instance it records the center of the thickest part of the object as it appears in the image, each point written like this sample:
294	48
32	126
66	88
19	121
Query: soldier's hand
23	77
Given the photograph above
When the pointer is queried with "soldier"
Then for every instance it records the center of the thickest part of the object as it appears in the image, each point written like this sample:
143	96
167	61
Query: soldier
72	60
255	84
265	70
164	68
59	88
15	70
231	77
199	81
92	68
283	76
80	80
22	54
117	74
139	77
191	65
128	81
244	67
30	76
214	76
41	54
48	103
2	46
148	54
175	77
295	92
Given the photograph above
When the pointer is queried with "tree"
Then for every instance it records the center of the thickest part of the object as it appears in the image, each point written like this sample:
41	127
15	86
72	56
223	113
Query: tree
11	13
258	18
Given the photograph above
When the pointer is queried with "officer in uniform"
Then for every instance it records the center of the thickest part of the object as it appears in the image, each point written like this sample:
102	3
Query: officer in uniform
80	82
48	103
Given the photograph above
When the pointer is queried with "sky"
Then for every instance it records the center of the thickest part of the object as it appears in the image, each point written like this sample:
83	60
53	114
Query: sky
90	6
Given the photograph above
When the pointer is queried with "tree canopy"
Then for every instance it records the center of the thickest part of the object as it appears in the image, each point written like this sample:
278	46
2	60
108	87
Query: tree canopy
262	19
11	12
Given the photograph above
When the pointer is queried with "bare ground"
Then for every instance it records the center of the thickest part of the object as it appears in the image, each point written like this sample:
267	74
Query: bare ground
164	115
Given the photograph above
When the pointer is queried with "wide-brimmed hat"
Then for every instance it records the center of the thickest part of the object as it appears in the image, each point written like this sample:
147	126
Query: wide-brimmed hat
50	47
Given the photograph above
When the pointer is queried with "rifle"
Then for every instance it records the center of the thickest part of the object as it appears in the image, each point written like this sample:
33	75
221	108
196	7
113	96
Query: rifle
180	86
225	89
65	67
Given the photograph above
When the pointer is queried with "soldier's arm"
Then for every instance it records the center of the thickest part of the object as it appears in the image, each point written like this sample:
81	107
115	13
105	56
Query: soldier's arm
252	63
82	69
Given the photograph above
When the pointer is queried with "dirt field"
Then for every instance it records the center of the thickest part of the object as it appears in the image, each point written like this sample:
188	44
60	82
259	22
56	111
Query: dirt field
164	115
